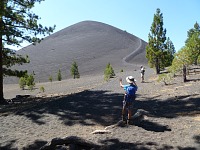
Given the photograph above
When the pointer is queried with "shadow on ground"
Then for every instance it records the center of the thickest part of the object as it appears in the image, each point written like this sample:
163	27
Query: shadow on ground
104	108
110	144
116	144
97	106
35	146
187	105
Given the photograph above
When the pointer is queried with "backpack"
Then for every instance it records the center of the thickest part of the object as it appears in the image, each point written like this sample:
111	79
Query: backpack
142	71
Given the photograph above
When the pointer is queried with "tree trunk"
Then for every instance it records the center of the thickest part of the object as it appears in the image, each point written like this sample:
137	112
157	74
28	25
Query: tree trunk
197	56
1	71
196	61
157	66
1	54
184	73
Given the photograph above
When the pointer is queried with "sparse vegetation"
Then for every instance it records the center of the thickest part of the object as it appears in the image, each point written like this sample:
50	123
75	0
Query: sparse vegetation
50	78
30	81
108	72
59	76
22	83
165	78
14	28
121	70
193	43
74	70
42	89
180	62
186	56
27	80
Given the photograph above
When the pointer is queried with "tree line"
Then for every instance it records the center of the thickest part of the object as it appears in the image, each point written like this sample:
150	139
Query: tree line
161	52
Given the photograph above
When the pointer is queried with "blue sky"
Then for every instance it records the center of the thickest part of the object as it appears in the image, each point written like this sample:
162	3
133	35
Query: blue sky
134	16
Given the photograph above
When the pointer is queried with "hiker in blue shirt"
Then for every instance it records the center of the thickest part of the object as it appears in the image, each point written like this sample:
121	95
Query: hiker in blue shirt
129	96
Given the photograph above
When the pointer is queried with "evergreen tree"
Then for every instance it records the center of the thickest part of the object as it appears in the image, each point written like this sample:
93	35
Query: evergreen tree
168	53
59	76
30	81
156	45
17	24
74	70
108	72
193	44
195	29
50	78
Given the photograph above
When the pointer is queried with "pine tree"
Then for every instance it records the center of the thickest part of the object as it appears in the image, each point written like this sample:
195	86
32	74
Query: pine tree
168	53
195	29
193	42
30	81
108	72
17	24
74	70
156	45
59	76
50	78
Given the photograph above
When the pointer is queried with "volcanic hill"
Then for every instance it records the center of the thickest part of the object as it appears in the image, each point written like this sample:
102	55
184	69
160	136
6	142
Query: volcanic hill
91	44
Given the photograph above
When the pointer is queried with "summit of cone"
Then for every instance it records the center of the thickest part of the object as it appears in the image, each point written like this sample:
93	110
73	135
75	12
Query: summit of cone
91	44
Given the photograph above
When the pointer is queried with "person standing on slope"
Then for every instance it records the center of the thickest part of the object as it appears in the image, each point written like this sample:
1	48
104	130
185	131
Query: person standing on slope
129	97
142	70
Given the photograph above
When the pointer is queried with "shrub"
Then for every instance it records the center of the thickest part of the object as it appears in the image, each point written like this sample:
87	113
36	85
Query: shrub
50	79
30	82
27	80
22	83
165	78
42	89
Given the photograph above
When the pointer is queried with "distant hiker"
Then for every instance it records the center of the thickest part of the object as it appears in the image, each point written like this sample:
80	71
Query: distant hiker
129	97
142	70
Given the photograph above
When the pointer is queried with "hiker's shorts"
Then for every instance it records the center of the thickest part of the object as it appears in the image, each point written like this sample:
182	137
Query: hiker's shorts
142	74
127	105
128	102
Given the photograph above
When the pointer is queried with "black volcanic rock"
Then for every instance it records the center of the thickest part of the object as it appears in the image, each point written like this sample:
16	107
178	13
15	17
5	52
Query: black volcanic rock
91	44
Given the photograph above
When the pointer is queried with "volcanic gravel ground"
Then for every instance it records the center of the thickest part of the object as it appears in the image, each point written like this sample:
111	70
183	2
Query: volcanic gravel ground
79	107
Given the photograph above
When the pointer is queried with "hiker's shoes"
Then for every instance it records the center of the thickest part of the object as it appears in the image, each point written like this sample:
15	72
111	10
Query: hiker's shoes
123	118
129	122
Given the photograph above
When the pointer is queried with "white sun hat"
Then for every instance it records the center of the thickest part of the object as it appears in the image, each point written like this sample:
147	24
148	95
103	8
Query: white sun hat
130	79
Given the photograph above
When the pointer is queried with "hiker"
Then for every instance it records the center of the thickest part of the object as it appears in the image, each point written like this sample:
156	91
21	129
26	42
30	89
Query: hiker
142	70
129	97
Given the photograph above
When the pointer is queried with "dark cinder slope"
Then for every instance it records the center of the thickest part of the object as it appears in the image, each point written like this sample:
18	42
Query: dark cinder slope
91	44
